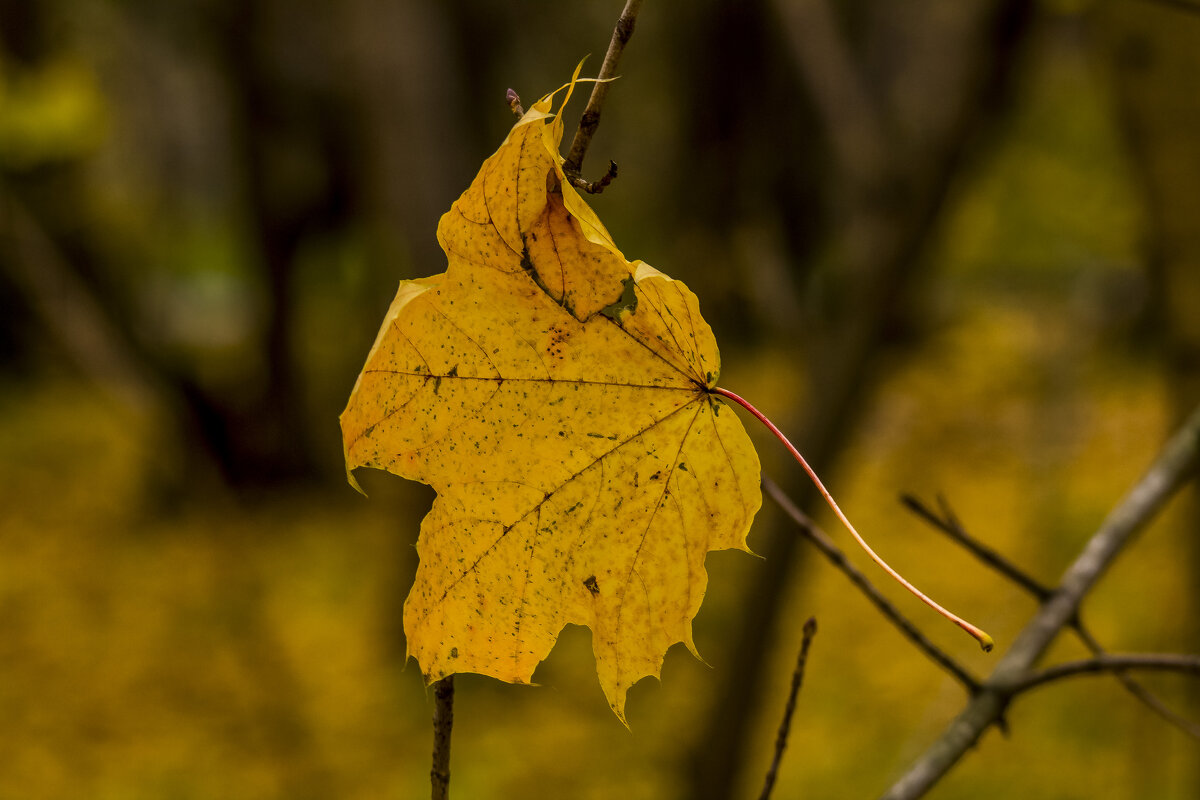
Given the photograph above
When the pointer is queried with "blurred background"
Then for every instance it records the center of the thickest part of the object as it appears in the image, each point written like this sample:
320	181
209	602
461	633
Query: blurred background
953	247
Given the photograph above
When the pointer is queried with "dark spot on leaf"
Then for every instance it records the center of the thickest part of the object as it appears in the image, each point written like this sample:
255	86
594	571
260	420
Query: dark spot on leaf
626	302
527	265
454	652
591	585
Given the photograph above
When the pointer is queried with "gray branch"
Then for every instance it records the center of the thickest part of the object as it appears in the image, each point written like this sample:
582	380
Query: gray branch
1173	467
948	524
1111	662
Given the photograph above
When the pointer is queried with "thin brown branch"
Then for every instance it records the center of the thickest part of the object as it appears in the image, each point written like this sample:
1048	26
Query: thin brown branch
1175	464
810	630
608	70
443	724
948	523
596	187
1144	695
885	606
1109	662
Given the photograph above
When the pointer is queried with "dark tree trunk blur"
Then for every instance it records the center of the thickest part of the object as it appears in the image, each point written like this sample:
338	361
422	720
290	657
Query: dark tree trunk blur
291	127
930	85
293	134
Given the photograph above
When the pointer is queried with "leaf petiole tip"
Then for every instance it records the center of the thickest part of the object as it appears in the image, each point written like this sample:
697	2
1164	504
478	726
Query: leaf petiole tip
985	641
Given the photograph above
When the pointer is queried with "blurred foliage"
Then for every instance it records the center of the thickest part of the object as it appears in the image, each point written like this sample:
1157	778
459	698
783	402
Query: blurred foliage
49	114
204	208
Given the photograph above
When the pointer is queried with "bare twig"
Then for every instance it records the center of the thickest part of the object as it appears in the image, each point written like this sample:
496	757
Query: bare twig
596	187
1144	695
810	630
443	723
948	523
608	70
1110	662
1174	465
885	606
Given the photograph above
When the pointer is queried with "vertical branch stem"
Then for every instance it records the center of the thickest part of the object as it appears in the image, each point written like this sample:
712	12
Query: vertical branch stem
443	723
810	630
608	70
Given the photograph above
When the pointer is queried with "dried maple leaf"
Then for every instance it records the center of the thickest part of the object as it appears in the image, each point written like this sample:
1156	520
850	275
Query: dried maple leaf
558	398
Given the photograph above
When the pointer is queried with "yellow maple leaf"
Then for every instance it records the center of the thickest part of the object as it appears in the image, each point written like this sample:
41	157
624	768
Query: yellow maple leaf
558	399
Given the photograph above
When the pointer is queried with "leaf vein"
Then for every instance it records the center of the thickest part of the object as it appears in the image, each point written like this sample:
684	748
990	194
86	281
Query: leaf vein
536	506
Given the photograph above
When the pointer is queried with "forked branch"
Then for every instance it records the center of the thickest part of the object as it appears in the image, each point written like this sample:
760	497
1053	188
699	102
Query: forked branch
948	524
1176	463
591	114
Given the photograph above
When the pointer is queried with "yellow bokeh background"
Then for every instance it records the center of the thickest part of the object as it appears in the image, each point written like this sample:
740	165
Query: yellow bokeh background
233	637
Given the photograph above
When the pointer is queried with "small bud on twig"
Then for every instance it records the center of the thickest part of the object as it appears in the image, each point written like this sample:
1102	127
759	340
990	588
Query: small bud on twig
514	102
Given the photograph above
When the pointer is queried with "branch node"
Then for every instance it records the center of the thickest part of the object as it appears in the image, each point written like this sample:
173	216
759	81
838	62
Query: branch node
1174	465
624	30
594	187
591	115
